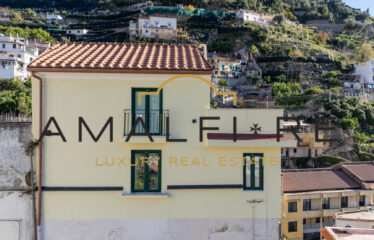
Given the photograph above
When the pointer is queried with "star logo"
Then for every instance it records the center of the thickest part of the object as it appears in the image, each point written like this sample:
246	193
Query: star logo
255	129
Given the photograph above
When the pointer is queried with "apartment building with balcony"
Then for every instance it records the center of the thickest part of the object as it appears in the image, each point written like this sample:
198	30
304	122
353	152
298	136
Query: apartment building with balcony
307	148
312	197
164	164
15	54
155	26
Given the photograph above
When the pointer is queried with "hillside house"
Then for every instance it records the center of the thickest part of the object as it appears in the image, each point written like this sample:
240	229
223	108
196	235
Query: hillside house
308	148
312	197
153	166
156	26
254	17
366	70
15	54
54	18
228	67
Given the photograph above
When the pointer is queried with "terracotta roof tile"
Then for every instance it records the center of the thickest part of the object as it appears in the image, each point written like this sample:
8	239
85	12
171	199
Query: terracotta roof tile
316	180
121	57
364	171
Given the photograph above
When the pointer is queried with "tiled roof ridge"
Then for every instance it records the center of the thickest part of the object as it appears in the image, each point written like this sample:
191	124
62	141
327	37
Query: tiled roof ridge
357	163
309	170
122	56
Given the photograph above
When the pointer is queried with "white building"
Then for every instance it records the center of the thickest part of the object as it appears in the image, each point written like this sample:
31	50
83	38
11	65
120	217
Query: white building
77	32
254	17
355	219
15	55
54	18
161	27
366	70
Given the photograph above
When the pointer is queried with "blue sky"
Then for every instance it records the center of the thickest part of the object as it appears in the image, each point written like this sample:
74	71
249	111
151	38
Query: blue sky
363	4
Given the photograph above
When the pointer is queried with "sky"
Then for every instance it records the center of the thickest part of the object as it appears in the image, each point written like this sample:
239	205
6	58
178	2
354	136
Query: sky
363	4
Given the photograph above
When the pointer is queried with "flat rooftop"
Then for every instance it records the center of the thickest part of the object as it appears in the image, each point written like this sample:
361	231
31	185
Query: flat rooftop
363	215
334	233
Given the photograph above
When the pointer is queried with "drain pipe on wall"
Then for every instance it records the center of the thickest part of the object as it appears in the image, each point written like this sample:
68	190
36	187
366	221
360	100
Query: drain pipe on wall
254	202
33	194
40	160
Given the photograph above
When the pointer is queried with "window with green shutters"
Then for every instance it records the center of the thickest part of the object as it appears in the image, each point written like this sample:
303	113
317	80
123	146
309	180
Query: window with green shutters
150	110
253	171
146	171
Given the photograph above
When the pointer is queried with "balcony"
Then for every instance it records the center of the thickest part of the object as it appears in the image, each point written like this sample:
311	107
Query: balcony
331	212
311	227
312	213
145	126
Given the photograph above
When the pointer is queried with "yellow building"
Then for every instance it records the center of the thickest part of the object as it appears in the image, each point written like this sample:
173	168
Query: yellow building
311	197
105	178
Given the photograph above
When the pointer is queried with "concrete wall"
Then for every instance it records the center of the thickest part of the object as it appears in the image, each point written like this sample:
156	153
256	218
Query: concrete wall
16	215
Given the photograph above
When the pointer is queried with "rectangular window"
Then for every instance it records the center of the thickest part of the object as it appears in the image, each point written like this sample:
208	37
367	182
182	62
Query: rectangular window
362	200
318	220
146	171
3	45
253	171
326	203
149	110
292	206
307	204
292	226
344	202
14	45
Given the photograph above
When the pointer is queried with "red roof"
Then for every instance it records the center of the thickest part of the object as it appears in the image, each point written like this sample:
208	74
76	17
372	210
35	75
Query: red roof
121	57
316	180
364	171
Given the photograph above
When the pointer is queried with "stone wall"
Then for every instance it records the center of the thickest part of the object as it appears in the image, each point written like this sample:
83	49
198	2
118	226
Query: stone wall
16	199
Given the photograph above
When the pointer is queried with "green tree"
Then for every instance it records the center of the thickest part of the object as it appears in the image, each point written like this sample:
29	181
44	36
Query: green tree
325	11
364	53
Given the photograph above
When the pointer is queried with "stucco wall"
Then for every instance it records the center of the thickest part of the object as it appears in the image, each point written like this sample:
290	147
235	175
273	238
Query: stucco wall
162	229
16	215
80	164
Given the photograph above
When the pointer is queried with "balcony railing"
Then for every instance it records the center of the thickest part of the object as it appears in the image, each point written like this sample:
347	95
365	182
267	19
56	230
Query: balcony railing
154	122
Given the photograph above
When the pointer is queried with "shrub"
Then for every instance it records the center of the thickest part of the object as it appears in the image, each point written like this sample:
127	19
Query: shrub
328	161
223	83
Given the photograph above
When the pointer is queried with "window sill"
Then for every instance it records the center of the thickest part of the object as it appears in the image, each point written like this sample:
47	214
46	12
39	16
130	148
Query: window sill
142	195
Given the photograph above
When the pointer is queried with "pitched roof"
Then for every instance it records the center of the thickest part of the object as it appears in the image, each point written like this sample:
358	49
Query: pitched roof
121	57
363	170
316	180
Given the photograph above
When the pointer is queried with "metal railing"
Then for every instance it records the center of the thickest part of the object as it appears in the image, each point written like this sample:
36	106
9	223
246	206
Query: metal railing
154	121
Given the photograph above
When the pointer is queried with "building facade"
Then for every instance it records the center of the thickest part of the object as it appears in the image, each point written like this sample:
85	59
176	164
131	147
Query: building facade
192	184
366	70
254	17
308	148
15	54
229	67
311	198
159	27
